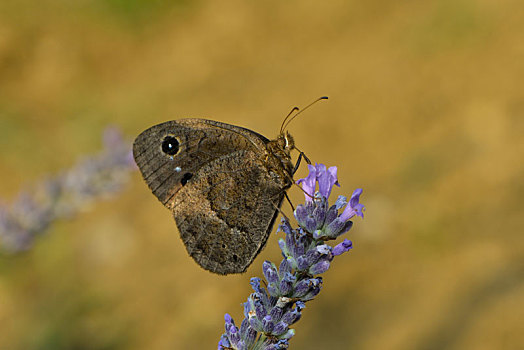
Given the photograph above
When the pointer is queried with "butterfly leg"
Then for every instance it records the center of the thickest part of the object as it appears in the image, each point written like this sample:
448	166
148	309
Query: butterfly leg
305	157
289	201
300	156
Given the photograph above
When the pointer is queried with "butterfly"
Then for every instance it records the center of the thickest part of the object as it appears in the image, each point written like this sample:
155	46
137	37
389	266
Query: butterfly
224	185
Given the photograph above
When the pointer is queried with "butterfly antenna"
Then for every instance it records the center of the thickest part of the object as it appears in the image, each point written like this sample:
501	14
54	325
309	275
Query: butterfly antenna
284	121
298	113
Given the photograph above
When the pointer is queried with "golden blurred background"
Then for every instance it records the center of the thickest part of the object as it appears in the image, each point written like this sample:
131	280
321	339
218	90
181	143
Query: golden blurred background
426	114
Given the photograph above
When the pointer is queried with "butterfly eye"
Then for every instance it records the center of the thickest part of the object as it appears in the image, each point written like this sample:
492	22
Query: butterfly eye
170	145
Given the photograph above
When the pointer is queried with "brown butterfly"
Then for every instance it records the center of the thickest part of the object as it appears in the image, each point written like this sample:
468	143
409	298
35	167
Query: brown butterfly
223	183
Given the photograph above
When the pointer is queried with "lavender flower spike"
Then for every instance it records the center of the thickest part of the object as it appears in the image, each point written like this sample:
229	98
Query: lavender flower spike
66	194
269	313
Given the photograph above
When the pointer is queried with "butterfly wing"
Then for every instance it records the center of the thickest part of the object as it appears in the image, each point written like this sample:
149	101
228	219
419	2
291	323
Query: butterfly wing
222	196
227	214
194	143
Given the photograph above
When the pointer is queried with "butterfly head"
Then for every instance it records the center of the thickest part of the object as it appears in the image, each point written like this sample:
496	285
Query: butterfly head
285	141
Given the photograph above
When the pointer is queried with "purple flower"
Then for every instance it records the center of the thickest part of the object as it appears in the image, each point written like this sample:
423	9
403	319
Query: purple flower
320	267
326	179
316	216
309	183
354	207
343	247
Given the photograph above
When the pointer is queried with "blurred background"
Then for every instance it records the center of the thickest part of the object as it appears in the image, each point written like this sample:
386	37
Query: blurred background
426	114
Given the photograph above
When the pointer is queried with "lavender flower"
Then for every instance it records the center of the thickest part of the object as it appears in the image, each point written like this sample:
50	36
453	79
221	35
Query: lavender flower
66	194
268	313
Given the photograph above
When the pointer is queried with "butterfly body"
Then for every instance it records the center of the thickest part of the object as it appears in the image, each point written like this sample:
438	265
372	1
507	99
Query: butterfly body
223	184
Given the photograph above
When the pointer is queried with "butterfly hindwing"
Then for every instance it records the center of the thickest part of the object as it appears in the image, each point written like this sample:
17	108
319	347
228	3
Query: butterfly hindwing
226	213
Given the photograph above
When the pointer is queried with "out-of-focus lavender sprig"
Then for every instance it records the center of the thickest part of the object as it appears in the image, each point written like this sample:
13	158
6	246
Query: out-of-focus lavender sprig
270	311
66	194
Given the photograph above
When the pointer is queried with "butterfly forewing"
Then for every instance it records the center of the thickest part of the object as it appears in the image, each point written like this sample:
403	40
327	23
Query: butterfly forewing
198	141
